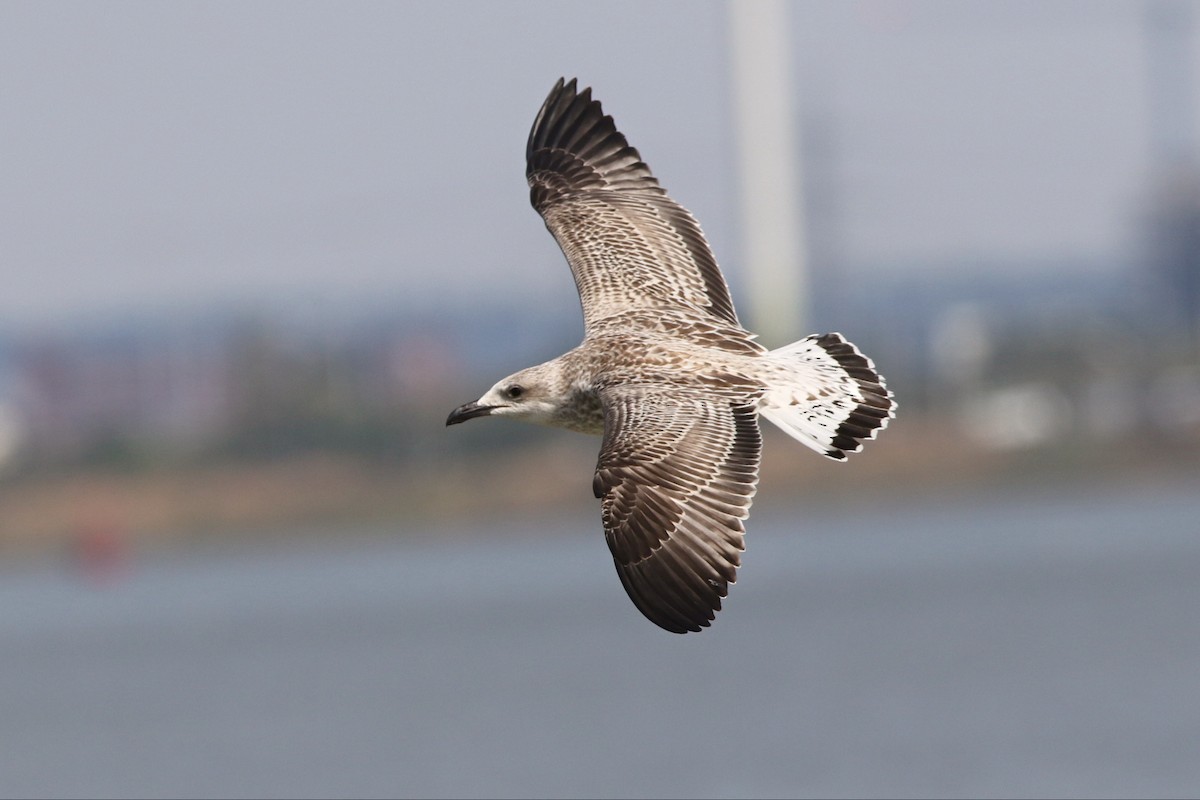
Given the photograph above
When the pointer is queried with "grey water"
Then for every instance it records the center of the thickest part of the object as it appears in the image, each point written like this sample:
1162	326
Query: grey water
1004	644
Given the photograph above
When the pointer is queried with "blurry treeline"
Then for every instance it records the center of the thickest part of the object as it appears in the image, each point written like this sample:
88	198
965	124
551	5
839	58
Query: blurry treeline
237	388
1053	356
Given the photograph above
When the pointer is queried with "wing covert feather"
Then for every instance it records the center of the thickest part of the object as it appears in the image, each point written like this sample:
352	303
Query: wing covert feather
629	245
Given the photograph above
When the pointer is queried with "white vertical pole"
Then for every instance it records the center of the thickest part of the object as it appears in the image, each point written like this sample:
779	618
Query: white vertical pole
772	211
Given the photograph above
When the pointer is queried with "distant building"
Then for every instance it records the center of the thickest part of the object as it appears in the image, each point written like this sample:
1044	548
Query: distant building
1173	245
1173	230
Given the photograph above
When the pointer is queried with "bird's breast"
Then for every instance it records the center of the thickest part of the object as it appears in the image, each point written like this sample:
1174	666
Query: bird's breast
582	412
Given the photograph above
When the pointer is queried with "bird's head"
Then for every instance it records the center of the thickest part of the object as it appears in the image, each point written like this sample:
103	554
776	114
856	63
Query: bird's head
532	395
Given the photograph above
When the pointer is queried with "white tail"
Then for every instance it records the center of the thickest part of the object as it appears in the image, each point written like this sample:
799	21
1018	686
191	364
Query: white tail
827	395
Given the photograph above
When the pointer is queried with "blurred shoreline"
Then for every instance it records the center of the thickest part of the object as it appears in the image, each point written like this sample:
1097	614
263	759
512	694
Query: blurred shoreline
42	513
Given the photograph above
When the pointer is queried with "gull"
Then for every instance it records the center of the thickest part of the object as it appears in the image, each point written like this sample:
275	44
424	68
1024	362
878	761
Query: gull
665	373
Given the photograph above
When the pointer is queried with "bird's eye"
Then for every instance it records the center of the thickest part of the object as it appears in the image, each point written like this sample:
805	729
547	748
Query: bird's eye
514	392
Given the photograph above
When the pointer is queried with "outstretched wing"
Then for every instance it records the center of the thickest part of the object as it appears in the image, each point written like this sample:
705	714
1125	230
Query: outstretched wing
630	246
677	473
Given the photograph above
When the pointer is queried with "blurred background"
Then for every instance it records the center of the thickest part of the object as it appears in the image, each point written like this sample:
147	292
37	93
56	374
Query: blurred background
253	254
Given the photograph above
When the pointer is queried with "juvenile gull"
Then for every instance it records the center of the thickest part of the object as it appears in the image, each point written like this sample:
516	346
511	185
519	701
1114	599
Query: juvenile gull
666	373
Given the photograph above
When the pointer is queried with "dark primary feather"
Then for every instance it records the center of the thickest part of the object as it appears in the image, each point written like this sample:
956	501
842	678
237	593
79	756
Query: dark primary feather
629	245
677	473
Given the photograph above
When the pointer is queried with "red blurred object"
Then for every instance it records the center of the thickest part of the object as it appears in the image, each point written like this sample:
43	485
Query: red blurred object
101	552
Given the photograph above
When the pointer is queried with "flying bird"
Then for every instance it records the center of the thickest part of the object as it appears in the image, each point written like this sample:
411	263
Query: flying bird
665	373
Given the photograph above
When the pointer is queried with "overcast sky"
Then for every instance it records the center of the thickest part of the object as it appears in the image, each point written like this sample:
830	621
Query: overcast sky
172	155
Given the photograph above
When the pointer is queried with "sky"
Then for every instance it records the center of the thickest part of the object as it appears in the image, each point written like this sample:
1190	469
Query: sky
183	155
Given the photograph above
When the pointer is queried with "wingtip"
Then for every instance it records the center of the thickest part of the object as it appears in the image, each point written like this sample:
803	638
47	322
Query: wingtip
565	86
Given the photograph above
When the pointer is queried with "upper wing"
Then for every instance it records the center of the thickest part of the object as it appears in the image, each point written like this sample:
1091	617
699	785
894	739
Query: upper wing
677	473
629	244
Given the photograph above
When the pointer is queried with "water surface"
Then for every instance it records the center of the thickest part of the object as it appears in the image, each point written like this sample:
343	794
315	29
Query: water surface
1001	645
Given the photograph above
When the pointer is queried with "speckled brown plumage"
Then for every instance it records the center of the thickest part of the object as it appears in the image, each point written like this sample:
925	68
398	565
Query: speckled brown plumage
666	373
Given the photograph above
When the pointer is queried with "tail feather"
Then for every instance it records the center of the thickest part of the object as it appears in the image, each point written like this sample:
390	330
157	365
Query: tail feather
827	395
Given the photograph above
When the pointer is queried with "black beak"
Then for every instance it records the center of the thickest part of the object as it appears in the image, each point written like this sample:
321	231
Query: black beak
468	411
